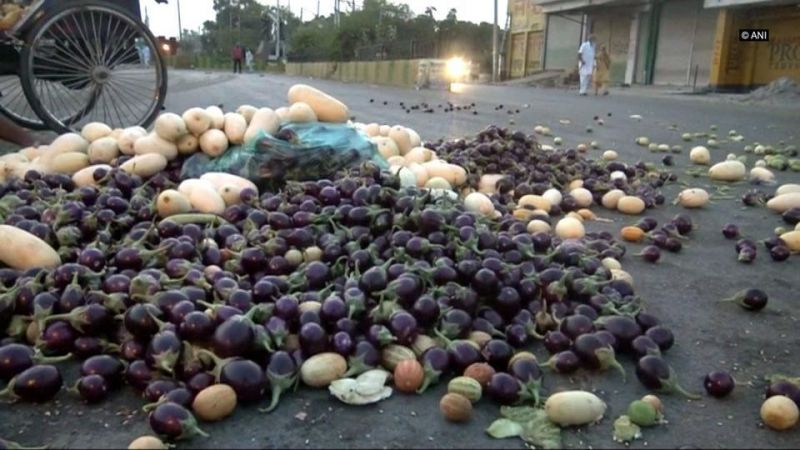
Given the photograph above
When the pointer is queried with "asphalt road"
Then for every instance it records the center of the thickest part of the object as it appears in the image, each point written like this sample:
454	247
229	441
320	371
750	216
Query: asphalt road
682	289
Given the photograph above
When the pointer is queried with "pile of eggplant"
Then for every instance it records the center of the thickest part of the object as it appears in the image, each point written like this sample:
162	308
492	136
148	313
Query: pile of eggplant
356	266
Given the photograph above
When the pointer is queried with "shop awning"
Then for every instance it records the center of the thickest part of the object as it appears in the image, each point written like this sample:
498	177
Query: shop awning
708	4
557	6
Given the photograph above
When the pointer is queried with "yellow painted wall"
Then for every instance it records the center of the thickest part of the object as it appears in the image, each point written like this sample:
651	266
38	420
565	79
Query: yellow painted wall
392	73
746	64
526	39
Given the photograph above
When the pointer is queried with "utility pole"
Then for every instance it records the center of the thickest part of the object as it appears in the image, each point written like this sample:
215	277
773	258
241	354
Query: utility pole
180	26
278	30
317	9
494	45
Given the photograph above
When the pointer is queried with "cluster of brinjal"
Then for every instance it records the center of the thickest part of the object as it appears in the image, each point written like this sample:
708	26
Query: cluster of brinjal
526	169
170	307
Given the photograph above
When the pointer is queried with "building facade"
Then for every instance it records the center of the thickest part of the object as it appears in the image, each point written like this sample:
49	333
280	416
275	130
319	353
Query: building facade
673	42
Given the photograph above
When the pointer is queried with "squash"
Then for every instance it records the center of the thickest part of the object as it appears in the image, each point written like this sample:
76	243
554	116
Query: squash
170	127
22	250
301	113
68	143
630	204
154	143
103	150
574	408
283	114
145	165
214	403
197	120
372	130
205	199
222	179
386	146
728	171
171	202
247	111
265	120
213	143
68	163
95	130
235	127
400	136
327	108
217	117
188	145
321	369
128	137
414	138
85	176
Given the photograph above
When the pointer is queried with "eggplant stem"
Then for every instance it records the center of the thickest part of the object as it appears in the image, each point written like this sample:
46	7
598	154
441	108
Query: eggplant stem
671	385
276	396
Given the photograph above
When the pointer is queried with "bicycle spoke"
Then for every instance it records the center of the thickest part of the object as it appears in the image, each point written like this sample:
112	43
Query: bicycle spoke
120	117
86	63
126	101
86	41
131	100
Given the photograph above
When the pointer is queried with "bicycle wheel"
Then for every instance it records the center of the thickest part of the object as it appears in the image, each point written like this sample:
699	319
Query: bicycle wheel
14	105
82	63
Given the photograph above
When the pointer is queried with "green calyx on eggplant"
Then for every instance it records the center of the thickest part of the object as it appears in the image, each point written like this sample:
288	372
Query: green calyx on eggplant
281	375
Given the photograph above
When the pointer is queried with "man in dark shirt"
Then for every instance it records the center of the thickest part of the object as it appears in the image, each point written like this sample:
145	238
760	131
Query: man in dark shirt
238	55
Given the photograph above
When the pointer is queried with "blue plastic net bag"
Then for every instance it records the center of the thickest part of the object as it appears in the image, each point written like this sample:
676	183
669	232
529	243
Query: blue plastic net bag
299	151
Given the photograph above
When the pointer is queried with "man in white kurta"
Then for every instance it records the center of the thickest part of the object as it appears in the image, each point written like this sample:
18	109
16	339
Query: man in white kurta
586	63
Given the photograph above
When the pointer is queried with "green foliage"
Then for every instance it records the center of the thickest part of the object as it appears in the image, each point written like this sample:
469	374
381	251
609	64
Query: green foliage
379	29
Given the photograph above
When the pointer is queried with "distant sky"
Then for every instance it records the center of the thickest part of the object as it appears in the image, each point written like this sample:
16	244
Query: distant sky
164	18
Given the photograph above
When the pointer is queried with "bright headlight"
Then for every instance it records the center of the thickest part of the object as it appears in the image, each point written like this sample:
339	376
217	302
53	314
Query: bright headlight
456	67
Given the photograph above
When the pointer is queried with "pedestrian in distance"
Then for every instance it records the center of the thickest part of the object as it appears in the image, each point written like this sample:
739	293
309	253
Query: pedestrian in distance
144	51
248	58
238	56
586	63
602	68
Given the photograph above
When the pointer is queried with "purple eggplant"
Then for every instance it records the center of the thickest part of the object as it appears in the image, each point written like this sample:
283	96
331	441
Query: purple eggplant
138	374
313	339
497	353
565	362
654	373
556	341
15	358
175	422
106	366
365	357
403	327
343	343
36	384
281	375
594	354
662	336
750	299
158	388
528	372
164	351
92	388
643	346
435	362
574	326
719	384
624	329
504	388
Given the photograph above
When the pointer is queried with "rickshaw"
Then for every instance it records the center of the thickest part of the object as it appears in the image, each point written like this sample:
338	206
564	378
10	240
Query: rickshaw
66	63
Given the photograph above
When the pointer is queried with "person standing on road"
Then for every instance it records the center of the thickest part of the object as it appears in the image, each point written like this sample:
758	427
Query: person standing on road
248	58
238	55
144	51
586	63
602	68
